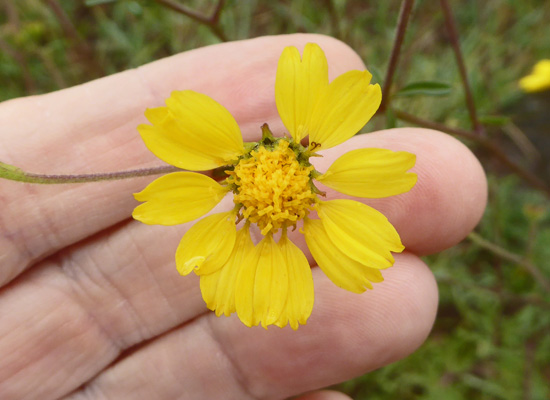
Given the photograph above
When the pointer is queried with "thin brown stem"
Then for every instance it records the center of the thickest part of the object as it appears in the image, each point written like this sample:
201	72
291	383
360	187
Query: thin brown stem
486	143
30	85
455	43
52	68
66	24
217	11
82	50
406	8
515	258
334	19
211	21
405	116
530	347
14	21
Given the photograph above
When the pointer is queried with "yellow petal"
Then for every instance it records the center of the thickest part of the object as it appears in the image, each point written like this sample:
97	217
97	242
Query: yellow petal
207	245
344	271
157	116
539	79
299	301
218	288
298	85
177	198
209	288
542	67
360	232
194	132
344	108
371	173
535	83
262	285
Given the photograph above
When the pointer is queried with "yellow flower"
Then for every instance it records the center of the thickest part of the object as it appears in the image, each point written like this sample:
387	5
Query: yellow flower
273	188
539	79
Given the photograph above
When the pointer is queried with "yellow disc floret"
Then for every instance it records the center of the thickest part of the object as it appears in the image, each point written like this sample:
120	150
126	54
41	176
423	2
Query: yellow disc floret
272	187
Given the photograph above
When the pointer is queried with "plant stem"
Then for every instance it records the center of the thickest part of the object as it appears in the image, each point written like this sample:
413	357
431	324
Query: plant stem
20	59
485	142
406	8
455	42
211	21
16	174
334	19
81	48
507	255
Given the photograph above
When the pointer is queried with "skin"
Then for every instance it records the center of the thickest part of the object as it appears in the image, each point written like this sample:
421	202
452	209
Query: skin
91	305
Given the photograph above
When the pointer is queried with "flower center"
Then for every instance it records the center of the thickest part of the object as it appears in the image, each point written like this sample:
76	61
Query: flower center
272	187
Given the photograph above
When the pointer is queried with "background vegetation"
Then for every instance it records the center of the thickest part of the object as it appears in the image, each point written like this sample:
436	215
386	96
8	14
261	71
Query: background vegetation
491	338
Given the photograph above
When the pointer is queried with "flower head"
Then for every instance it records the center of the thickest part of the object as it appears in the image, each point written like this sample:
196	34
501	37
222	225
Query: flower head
539	79
273	186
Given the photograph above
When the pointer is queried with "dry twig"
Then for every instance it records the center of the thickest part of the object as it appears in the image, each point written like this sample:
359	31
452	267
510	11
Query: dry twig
211	21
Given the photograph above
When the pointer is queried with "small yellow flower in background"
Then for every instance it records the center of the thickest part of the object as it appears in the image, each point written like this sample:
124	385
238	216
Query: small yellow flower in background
539	79
273	188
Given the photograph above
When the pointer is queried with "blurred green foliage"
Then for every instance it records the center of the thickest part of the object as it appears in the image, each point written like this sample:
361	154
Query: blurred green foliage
491	338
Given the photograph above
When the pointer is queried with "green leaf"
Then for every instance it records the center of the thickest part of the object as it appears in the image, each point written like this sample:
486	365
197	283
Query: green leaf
494	120
91	3
426	88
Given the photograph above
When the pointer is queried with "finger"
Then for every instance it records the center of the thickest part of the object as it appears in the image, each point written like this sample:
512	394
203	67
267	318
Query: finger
347	335
92	128
448	199
133	295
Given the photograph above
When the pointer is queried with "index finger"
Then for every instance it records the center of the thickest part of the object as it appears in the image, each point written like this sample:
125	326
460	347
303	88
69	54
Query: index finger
92	128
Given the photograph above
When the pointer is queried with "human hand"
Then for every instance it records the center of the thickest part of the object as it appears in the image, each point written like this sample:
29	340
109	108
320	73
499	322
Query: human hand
92	306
